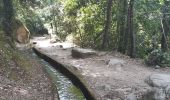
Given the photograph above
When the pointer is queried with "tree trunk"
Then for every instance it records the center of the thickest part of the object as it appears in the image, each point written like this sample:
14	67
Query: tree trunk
122	26
165	29
107	25
131	51
164	44
8	16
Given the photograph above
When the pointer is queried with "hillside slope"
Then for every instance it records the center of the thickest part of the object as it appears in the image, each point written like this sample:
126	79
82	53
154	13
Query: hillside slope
22	77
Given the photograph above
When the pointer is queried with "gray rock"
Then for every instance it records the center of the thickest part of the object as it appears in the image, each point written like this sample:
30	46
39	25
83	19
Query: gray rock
157	67
82	53
159	80
161	86
117	64
159	94
167	92
154	94
131	97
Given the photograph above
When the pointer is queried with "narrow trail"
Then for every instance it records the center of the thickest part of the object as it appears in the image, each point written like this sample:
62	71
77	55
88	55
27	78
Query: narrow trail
110	74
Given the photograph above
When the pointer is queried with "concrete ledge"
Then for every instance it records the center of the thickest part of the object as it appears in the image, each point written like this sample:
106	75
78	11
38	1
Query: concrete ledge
71	72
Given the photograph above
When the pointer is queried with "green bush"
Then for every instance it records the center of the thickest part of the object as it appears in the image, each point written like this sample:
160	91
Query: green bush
158	57
165	59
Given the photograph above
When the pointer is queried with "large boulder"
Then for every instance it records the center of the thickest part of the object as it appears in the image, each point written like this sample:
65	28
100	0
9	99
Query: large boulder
82	53
131	96
159	80
20	32
161	86
116	62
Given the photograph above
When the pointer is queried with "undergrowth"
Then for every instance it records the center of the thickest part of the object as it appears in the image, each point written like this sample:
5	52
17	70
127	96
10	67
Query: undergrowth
158	57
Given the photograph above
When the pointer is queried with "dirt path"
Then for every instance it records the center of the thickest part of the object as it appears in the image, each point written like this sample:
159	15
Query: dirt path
111	81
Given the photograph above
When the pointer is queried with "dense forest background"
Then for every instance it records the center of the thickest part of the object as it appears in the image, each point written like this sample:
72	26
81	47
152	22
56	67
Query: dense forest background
138	28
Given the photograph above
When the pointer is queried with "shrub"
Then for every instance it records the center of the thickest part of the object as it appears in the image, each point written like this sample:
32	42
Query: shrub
158	57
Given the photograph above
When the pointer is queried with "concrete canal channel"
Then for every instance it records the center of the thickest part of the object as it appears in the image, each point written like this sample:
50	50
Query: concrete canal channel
69	84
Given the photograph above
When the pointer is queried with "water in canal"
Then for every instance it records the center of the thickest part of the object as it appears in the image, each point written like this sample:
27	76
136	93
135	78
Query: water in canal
66	89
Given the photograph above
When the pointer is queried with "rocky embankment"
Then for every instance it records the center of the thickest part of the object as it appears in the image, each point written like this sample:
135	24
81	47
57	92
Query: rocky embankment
21	77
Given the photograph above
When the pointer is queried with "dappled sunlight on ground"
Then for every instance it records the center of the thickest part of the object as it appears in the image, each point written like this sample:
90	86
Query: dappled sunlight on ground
109	71
45	42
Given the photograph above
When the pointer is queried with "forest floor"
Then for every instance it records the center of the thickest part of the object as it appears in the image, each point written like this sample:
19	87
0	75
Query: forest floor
111	75
22	77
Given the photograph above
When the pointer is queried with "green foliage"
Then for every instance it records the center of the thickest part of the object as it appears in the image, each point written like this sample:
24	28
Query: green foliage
85	19
35	14
89	24
1	10
148	23
165	59
157	57
71	7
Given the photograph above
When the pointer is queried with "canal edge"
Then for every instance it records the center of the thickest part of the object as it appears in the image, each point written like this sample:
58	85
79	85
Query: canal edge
70	71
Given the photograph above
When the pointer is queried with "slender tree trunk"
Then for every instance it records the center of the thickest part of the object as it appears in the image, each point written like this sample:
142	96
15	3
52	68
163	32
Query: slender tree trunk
107	25
131	51
8	16
122	26
164	44
165	29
